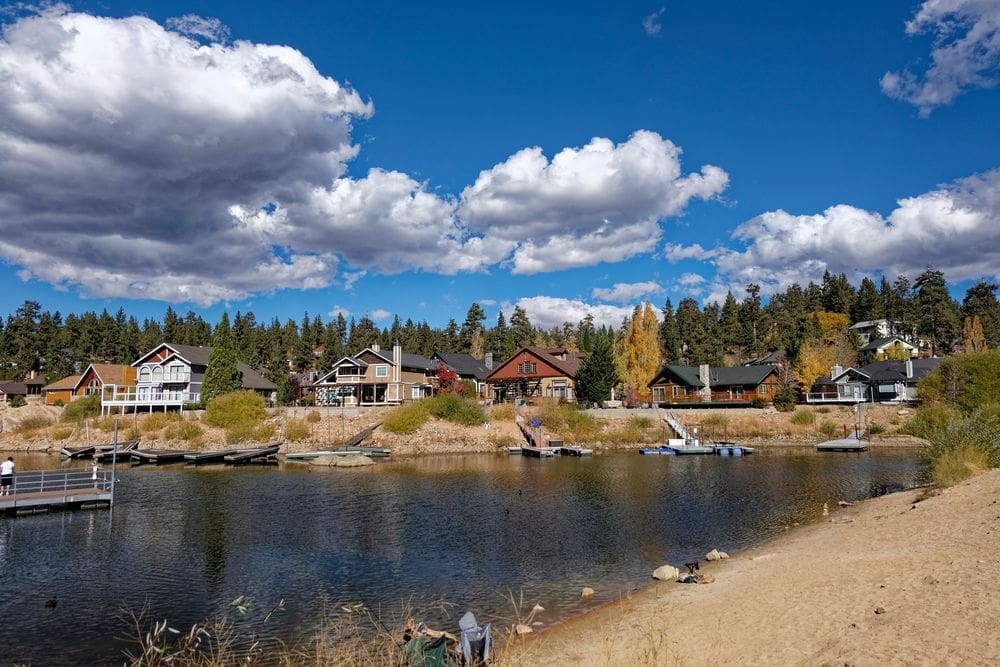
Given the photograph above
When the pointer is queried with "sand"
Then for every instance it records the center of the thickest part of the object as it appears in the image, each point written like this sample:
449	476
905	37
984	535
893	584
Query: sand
909	578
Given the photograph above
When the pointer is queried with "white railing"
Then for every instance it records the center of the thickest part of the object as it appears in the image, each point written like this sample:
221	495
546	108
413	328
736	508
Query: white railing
65	481
129	396
851	392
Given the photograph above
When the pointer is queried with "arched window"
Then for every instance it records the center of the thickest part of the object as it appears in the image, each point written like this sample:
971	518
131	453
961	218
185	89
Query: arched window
144	374
157	374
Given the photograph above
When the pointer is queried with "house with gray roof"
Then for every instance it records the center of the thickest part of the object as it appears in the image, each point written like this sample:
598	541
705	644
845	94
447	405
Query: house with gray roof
374	377
880	348
879	382
703	386
467	367
169	377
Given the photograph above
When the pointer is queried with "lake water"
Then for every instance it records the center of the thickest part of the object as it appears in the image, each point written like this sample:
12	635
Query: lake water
466	529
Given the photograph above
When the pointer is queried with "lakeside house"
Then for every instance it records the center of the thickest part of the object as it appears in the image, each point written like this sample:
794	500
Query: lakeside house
11	389
61	391
468	368
870	330
704	386
170	376
878	382
880	348
535	372
372	377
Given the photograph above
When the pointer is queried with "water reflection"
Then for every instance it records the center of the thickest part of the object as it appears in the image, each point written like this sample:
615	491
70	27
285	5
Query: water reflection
466	528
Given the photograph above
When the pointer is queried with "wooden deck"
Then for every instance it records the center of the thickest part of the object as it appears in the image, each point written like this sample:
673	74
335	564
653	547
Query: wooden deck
44	490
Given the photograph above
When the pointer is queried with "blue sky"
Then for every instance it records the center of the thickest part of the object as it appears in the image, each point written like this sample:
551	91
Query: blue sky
570	157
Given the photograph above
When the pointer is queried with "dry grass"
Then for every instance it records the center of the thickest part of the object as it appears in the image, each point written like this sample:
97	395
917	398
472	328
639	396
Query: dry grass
313	417
298	429
502	412
189	431
29	426
955	465
60	433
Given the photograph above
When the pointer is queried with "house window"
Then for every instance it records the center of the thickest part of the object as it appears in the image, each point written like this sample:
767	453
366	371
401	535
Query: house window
381	371
736	392
144	374
887	389
175	372
680	391
157	374
657	394
527	368
415	392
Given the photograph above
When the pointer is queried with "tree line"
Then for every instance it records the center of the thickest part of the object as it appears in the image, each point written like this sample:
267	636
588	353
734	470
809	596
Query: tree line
801	321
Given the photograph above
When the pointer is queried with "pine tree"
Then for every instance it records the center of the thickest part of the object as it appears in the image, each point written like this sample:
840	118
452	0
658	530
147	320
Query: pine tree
472	326
520	326
222	375
597	374
938	315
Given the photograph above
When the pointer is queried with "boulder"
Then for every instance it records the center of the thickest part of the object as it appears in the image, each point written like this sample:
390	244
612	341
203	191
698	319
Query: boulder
354	461
522	629
666	573
537	609
714	554
325	460
706	579
587	593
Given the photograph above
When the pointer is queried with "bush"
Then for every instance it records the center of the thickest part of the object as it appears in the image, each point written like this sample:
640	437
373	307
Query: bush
758	402
784	398
29	425
297	429
307	401
638	423
314	417
929	418
823	410
456	409
61	433
828	428
963	446
81	408
716	420
58	403
804	417
406	418
240	410
238	434
875	428
264	433
969	380
502	412
157	420
17	402
183	430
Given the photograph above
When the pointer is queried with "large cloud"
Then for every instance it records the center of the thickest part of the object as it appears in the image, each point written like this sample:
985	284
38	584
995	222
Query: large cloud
549	311
598	203
124	148
955	228
136	161
966	53
626	292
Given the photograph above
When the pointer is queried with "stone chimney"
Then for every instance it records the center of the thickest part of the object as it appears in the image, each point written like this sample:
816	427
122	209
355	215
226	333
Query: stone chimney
835	371
704	375
488	361
909	369
375	347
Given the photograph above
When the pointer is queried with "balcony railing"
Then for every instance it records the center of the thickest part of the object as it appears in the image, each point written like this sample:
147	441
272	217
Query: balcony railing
851	392
128	396
717	397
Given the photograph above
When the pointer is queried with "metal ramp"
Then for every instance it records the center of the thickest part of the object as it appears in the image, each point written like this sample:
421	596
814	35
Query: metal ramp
675	423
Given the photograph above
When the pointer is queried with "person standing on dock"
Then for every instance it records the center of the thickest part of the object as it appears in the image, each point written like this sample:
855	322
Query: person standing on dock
94	470
6	476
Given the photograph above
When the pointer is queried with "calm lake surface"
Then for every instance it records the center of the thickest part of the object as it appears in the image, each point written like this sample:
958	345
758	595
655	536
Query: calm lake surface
467	529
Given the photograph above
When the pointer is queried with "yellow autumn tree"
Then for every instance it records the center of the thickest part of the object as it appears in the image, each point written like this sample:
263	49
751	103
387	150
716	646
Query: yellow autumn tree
641	352
815	361
975	340
830	325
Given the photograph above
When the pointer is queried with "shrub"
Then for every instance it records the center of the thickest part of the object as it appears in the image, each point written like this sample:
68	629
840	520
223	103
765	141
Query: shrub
406	418
81	408
238	434
963	446
969	380
823	410
156	421
29	425
132	434
236	410
105	424
314	417
954	465
638	422
297	429
715	420
264	433
828	428
804	417
58	403
456	408
307	401
183	430
17	402
784	398
61	433
929	418
502	412
875	428
758	402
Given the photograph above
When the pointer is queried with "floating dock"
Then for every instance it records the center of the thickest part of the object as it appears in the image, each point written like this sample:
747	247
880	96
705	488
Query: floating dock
575	451
157	456
106	453
257	455
45	490
539	452
371	452
843	445
209	457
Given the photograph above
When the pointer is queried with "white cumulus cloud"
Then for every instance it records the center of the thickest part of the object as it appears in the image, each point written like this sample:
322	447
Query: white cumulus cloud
626	292
955	228
598	203
380	314
966	53
211	29
549	311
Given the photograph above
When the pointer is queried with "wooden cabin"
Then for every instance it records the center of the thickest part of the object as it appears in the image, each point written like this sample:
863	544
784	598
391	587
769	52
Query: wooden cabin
535	372
706	386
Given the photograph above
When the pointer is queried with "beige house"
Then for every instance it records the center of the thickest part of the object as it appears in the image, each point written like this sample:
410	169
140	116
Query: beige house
373	377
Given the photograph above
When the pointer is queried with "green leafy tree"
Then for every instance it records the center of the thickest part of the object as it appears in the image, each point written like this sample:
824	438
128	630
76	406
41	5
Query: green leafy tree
598	373
938	315
221	376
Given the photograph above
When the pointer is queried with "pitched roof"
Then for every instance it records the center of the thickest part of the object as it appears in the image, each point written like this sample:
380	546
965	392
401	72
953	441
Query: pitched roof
109	374
725	376
407	360
37	380
882	342
13	388
568	367
464	364
68	382
895	371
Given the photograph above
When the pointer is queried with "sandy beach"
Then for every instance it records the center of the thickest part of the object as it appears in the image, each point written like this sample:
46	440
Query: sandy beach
909	578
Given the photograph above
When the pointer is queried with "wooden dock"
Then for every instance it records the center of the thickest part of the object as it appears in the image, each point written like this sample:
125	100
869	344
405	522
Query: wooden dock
256	455
124	452
157	456
575	451
843	445
209	457
539	452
